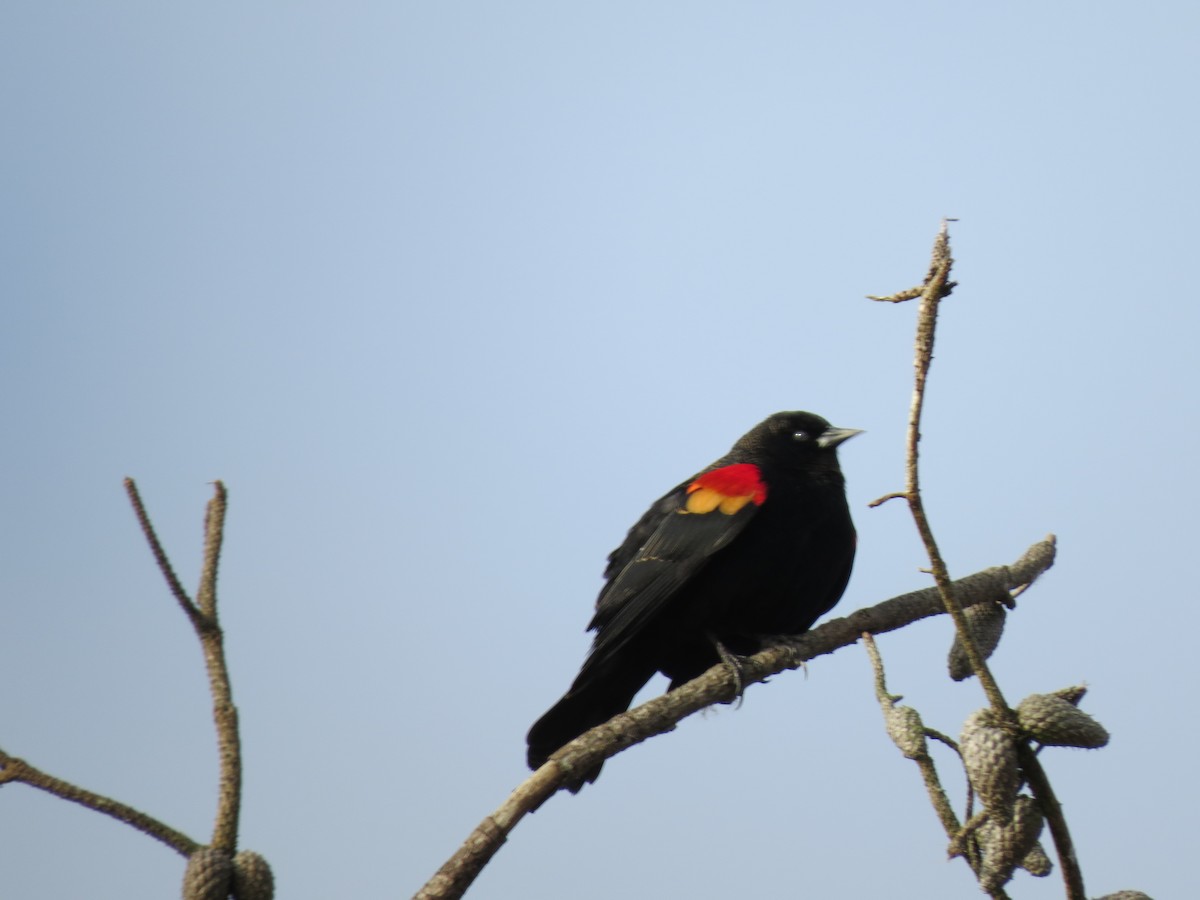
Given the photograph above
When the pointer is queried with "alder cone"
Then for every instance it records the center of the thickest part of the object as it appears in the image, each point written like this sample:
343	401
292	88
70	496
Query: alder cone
1054	721
252	877
985	622
907	731
209	875
1037	863
1006	844
989	754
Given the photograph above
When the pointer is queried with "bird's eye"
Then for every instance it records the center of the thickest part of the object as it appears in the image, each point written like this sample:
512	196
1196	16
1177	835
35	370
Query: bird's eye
801	436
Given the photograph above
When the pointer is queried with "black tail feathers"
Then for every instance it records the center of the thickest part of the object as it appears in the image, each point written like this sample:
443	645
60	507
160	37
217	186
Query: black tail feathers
582	707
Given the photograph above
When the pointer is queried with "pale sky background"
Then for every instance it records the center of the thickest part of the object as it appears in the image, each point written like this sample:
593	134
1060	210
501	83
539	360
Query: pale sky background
448	293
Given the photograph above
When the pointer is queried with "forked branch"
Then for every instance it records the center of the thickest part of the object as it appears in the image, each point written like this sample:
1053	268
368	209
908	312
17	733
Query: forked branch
202	614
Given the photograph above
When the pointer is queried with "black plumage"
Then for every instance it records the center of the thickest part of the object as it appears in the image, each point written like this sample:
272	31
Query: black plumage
759	543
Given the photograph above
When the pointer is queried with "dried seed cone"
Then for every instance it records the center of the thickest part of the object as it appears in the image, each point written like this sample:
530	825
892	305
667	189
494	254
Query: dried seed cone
252	878
1026	825
208	876
1071	694
907	731
1037	863
1056	722
1006	845
985	621
997	864
989	754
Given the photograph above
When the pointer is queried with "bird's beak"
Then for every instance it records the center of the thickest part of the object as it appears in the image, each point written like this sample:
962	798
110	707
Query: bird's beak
834	436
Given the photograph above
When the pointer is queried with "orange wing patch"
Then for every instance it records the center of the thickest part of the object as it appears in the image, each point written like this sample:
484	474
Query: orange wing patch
727	489
705	500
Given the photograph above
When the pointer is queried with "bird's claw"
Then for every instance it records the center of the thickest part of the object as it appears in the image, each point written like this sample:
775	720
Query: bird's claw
735	666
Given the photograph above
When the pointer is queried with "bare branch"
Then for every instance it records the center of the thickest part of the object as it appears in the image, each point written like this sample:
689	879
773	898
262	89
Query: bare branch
933	785
898	297
936	287
225	715
1064	847
717	685
160	555
214	535
203	616
936	735
13	770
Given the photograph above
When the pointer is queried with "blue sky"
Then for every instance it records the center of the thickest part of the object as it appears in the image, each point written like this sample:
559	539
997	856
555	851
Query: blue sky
448	293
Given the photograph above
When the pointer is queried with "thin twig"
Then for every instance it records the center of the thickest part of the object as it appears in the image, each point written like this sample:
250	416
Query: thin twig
962	844
225	715
936	287
160	555
1064	847
214	536
933	784
203	616
717	685
943	738
898	297
18	771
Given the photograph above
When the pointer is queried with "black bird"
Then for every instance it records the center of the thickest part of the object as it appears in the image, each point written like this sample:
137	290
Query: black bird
758	544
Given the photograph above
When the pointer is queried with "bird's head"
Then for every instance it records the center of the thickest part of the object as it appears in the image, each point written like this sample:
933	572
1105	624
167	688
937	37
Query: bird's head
796	439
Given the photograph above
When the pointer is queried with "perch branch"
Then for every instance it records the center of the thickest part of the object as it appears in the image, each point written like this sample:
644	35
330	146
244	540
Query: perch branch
717	685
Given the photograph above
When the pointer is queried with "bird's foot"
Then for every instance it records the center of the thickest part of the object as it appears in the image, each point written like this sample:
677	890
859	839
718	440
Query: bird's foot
735	666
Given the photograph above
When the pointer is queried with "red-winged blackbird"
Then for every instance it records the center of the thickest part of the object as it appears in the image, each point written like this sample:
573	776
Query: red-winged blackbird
760	543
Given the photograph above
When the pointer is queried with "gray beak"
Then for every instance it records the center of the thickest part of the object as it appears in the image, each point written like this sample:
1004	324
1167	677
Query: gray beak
834	436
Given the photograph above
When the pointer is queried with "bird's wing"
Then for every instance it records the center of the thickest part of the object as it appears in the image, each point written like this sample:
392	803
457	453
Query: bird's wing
666	548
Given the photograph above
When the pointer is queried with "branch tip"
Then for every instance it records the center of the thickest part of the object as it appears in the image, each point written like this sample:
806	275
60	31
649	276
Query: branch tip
160	555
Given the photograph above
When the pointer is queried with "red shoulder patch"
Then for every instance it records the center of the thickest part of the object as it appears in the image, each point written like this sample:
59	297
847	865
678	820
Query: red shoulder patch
727	489
737	480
